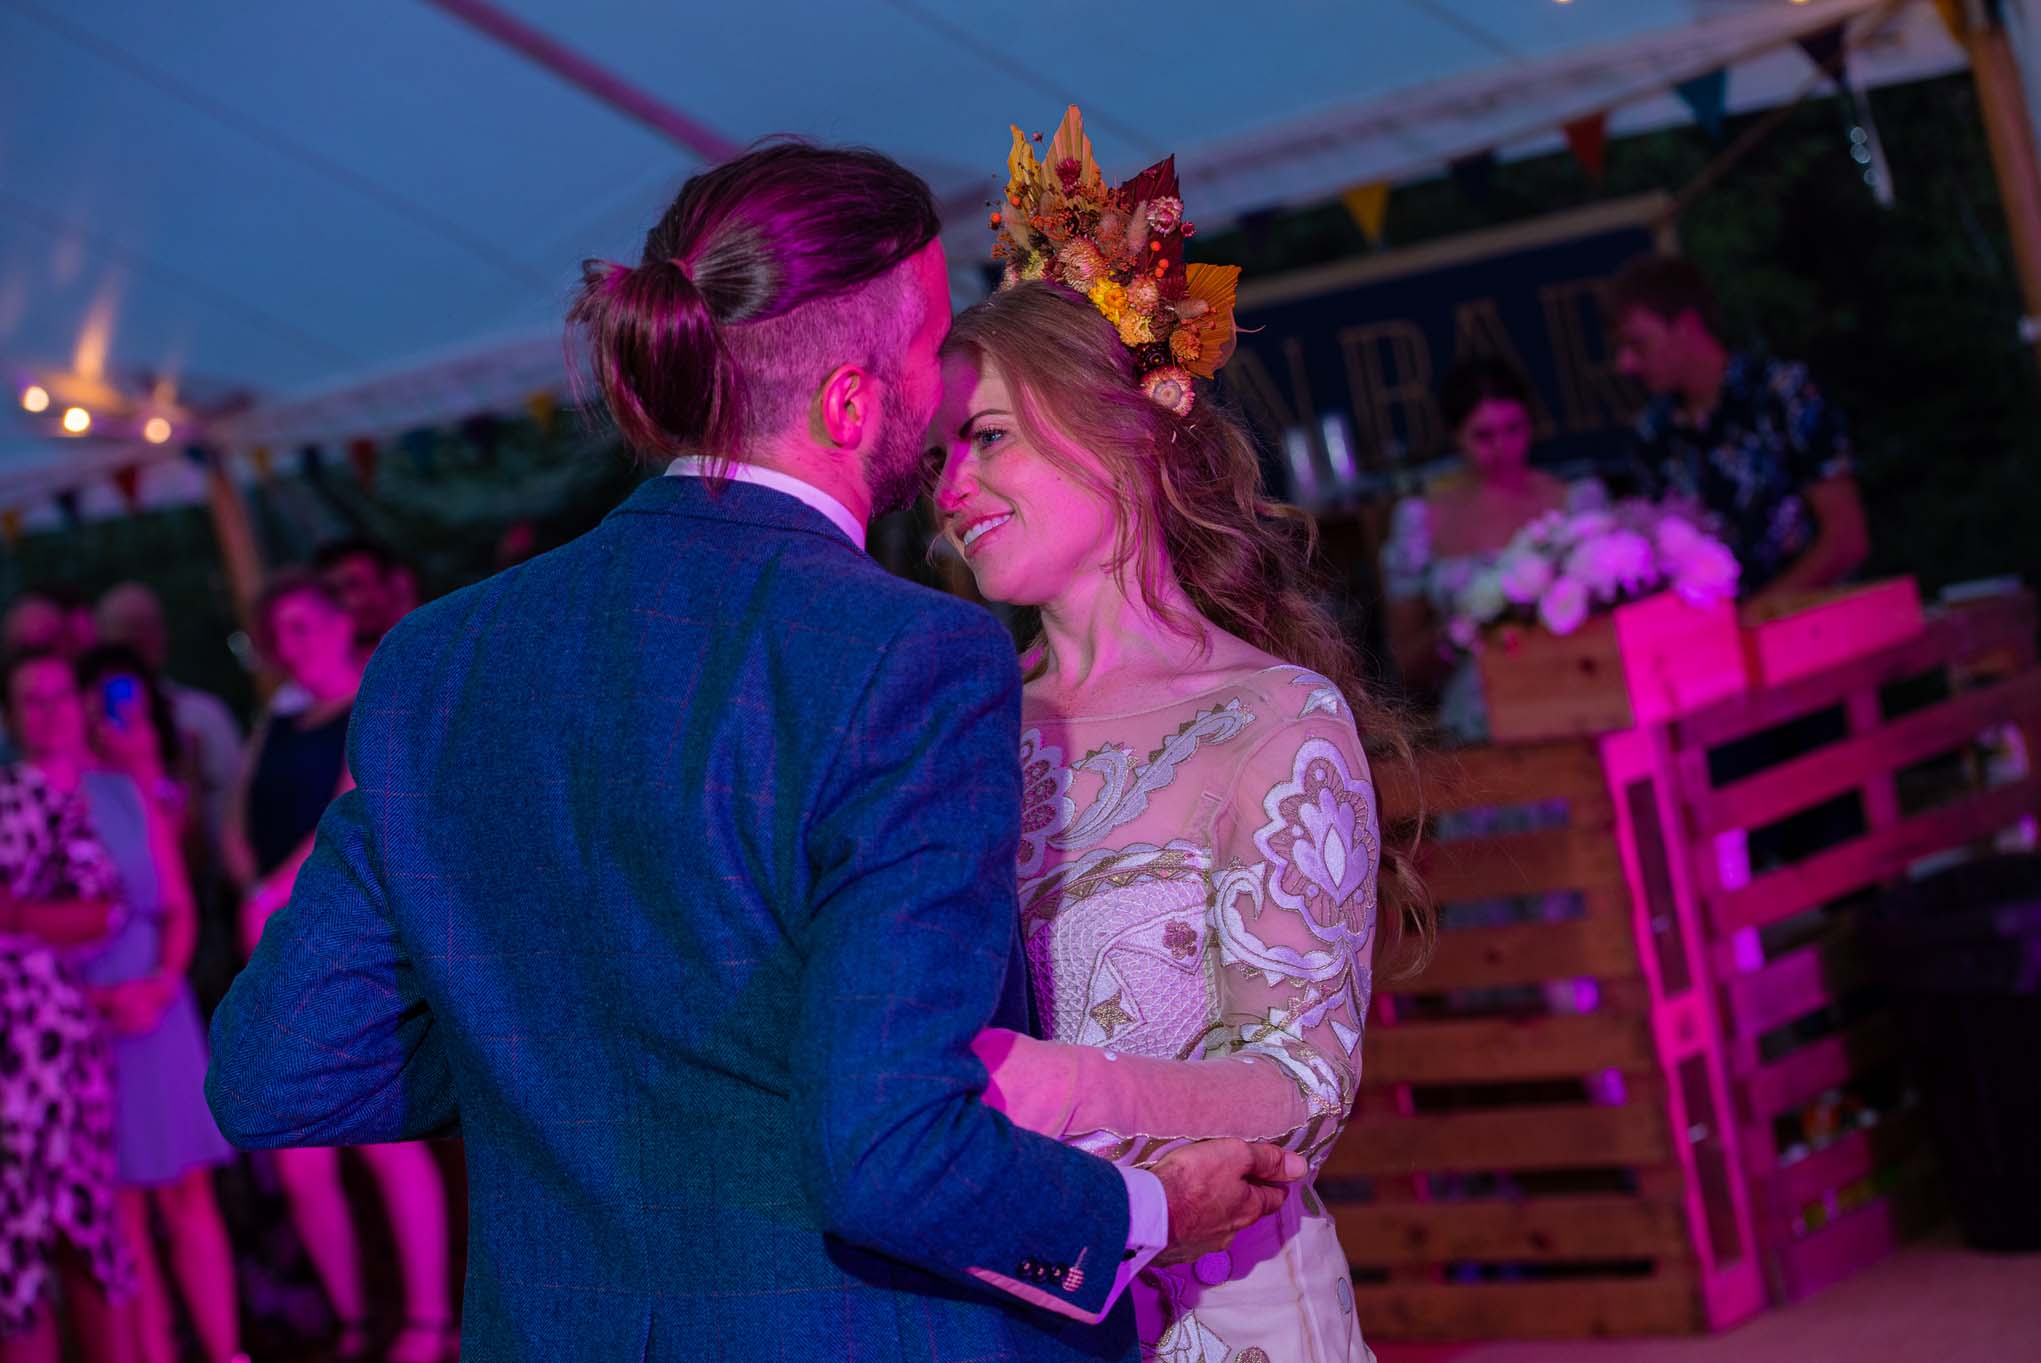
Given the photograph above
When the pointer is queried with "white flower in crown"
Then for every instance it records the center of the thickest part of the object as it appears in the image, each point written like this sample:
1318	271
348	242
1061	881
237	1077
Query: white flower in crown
1563	607
1523	574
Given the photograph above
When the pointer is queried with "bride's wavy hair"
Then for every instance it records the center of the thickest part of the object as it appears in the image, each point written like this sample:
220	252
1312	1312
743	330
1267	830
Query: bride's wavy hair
1189	502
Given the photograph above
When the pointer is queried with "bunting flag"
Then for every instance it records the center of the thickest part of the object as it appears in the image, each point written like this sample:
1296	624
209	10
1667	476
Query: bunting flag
1953	20
312	463
1708	99
199	457
68	505
420	444
1475	175
1588	138
264	462
481	431
1825	49
543	408
1368	205
10	526
128	478
363	455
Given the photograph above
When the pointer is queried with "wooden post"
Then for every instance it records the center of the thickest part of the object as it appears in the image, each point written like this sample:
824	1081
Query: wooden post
239	549
2010	132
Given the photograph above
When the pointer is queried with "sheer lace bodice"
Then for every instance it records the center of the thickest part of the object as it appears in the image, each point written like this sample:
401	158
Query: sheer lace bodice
1197	893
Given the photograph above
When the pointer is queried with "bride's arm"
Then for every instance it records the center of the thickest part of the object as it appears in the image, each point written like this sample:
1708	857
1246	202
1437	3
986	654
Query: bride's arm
1292	927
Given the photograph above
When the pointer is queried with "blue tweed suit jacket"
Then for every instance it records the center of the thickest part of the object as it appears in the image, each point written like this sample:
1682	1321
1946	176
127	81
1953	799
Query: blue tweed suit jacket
678	877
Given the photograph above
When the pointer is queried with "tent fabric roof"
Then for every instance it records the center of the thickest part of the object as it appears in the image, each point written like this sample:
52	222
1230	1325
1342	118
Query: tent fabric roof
354	218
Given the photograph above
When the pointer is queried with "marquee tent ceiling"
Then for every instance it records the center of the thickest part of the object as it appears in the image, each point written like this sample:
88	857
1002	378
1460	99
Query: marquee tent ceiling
323	221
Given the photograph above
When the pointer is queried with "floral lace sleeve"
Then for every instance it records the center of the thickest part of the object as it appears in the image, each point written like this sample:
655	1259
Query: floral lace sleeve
1289	935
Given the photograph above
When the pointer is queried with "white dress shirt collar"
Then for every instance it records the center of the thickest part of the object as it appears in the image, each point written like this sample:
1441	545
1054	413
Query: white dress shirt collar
696	466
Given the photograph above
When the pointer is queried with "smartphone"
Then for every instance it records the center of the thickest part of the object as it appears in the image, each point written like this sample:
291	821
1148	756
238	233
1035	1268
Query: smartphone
119	694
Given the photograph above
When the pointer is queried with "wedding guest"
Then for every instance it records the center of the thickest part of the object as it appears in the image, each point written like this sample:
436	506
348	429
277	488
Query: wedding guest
377	588
1440	541
166	1142
58	896
296	765
55	617
1748	439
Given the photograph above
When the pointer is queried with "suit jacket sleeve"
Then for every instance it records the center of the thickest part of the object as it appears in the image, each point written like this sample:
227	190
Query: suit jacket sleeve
913	850
325	1038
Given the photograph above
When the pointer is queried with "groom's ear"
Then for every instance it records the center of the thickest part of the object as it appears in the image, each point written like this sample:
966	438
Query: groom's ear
845	408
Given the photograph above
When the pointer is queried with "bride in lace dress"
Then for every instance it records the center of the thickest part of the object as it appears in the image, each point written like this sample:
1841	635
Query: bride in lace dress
1200	851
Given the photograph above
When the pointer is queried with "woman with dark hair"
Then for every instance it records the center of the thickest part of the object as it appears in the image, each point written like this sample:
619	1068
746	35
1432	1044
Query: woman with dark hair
1439	541
59	897
1199	846
297	765
165	1139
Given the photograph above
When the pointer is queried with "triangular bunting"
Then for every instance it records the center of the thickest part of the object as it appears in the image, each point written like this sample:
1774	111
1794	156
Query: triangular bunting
128	478
1474	174
1368	205
1708	97
10	526
263	461
1825	49
1953	20
542	408
1588	138
312	463
68	505
363	455
198	456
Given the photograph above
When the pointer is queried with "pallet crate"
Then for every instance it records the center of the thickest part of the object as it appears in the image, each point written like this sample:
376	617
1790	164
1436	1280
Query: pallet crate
1581	1122
1518	1165
1891	772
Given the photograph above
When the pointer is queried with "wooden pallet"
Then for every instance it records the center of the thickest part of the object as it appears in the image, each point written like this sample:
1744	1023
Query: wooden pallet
1512	1169
1829	1146
1519	1167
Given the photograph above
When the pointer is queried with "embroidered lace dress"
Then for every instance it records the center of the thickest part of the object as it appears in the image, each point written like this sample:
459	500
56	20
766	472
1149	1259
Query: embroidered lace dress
1197	884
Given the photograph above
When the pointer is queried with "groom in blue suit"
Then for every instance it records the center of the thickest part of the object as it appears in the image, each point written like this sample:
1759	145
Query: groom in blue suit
679	871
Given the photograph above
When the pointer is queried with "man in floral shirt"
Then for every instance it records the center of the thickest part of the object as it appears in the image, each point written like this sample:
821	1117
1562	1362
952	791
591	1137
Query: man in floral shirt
1749	440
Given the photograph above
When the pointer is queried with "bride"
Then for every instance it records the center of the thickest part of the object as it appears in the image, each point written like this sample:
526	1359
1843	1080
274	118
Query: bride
1199	849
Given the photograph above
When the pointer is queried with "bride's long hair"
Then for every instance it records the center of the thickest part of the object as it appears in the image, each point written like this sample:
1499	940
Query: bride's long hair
1189	502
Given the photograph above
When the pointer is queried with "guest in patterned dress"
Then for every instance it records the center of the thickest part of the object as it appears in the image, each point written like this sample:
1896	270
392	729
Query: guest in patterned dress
58	898
1750	441
1199	853
165	1138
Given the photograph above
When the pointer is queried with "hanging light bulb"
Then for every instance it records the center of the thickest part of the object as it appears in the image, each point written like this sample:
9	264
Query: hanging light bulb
77	420
156	430
35	398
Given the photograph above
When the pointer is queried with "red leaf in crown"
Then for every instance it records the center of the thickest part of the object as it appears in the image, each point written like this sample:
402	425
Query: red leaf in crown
1157	181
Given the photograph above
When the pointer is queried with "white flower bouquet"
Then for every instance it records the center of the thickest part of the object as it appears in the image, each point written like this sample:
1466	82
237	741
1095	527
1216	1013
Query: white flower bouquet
1561	569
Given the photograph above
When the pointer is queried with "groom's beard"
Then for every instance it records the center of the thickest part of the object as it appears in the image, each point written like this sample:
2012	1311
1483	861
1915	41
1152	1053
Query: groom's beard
894	472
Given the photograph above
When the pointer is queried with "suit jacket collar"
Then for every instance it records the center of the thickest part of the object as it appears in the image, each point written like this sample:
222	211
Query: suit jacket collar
734	503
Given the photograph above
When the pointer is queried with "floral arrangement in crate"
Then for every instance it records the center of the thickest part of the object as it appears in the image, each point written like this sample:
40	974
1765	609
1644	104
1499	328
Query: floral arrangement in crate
1563	568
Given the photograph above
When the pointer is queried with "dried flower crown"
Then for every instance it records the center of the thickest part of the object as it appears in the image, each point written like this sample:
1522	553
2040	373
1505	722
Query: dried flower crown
1122	247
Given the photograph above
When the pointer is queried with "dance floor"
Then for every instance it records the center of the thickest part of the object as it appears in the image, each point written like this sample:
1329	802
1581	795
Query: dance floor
1933	1301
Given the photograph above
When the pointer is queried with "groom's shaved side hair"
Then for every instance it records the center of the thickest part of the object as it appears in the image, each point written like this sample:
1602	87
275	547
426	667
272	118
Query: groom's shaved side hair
764	276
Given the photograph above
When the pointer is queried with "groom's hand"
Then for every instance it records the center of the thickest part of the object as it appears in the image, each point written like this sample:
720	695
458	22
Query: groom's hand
1216	1189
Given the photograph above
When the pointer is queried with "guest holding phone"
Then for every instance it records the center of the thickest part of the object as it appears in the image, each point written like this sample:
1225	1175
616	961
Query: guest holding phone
164	1136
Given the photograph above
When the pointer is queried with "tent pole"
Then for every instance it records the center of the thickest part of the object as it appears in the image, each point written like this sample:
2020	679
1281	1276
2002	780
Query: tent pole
2010	132
235	533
